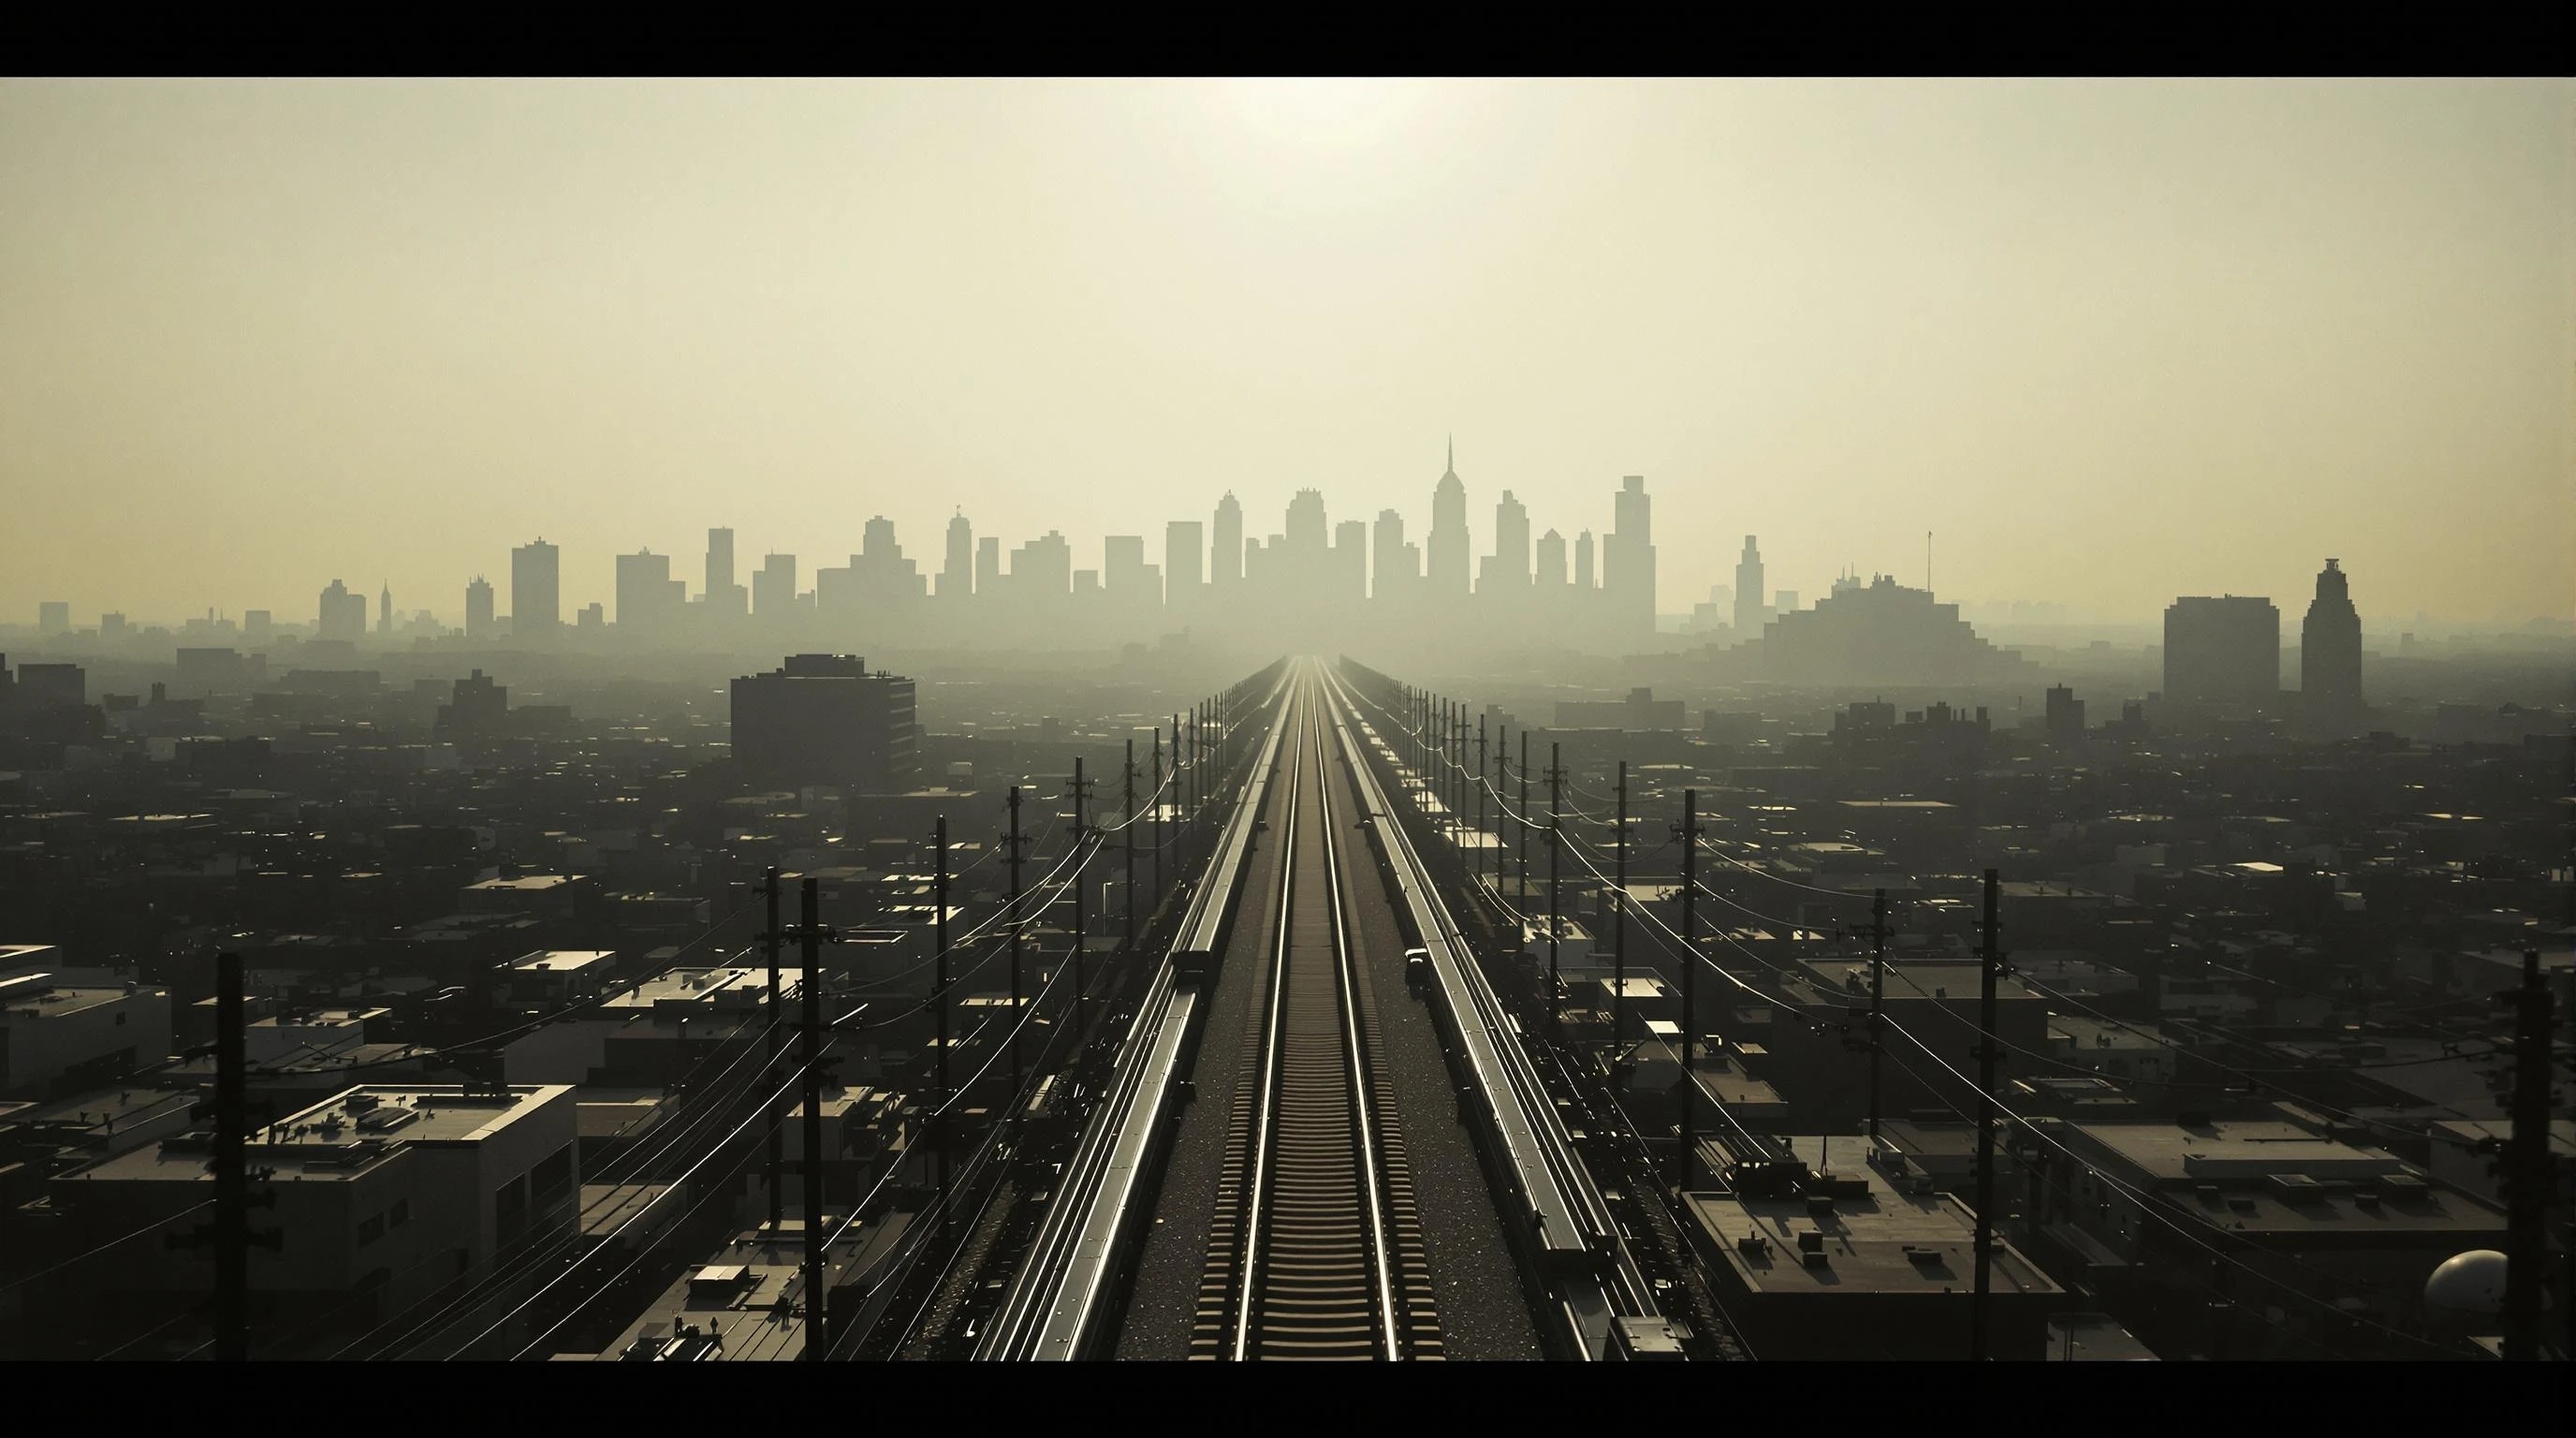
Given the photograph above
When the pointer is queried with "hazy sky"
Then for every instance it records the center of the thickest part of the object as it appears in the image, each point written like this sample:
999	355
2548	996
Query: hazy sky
2114	341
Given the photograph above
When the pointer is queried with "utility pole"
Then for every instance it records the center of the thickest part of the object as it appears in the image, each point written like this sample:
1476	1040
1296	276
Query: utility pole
1480	795
1127	908
1502	762
769	940
1013	842
232	1178
1619	925
1159	806
2529	1182
1081	900
1987	1053
1877	1002
1689	836
1520	896
809	935
938	997
1555	885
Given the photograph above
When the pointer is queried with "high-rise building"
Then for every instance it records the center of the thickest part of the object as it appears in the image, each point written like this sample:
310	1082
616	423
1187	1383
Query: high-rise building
1446	551
255	623
1784	601
2065	713
824	719
1628	559
1350	562
725	599
54	616
1551	563
1392	578
1749	591
536	590
988	565
111	625
2223	650
649	600
957	570
1184	564
1583	561
773	588
385	612
1306	528
478	609
1508	569
344	614
1226	555
2330	648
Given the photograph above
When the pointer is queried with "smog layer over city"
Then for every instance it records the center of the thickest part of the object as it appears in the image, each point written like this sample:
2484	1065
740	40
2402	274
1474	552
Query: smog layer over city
1241	720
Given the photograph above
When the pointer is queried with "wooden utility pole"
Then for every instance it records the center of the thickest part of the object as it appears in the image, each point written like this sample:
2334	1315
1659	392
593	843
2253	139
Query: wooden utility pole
1980	1340
1877	1003
1619	923
1555	881
770	938
809	935
2529	1180
1014	841
1689	835
1127	905
939	1002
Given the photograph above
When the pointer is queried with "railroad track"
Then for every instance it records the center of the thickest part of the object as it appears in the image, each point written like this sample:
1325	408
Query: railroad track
1315	1251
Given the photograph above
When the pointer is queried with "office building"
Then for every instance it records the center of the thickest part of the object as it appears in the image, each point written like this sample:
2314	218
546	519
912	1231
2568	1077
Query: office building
773	588
344	614
649	600
1628	559
536	591
54	616
2330	648
1226	555
957	566
1184	565
1749	591
255	625
2065	713
724	598
823	719
1446	550
2225	650
479	623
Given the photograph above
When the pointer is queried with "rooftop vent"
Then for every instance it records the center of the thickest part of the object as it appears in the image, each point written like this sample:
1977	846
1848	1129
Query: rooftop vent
1811	1241
1815	1258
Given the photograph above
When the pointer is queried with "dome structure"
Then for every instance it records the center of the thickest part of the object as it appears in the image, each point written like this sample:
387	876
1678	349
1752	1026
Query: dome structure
2471	1282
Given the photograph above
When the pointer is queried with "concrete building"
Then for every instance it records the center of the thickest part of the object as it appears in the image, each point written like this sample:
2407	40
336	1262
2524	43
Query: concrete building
344	614
2330	650
385	1194
479	621
2225	650
825	719
536	590
61	1037
1819	1256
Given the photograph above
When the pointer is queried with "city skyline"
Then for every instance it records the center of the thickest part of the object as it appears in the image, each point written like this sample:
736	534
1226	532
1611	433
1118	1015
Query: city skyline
2223	327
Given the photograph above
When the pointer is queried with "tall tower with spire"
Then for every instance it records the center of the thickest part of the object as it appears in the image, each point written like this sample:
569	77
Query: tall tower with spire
385	611
1446	550
2330	649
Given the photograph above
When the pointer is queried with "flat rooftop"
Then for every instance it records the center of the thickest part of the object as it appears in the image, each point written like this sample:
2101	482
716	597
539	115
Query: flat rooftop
345	1135
1878	1242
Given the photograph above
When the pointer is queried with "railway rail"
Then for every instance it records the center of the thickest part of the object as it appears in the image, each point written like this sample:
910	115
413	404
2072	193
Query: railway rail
1316	1251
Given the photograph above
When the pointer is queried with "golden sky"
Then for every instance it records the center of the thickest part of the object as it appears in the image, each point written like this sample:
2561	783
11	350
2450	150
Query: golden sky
2114	341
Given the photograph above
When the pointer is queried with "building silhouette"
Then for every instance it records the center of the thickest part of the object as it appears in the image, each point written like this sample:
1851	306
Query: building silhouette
725	600
2224	650
344	614
1748	591
1447	549
1879	633
2330	649
1628	559
2065	713
823	719
479	621
536	590
649	600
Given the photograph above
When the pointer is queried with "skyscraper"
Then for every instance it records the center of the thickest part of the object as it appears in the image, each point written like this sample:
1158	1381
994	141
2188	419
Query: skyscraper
54	616
988	566
1551	563
536	593
648	598
1508	571
344	614
2225	650
1446	551
1628	559
1583	560
1350	562
957	572
1184	564
478	609
385	612
1749	591
773	588
1227	552
1393	578
725	599
2330	648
